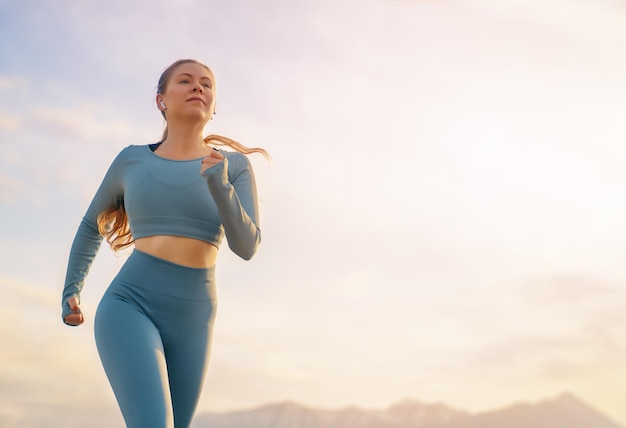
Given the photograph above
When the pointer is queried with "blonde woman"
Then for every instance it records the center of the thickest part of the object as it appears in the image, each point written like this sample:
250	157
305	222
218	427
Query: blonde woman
175	200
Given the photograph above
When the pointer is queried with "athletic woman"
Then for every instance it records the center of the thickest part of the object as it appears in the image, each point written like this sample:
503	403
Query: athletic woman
174	200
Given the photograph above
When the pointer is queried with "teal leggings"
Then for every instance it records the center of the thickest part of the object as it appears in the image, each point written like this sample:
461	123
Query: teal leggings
153	328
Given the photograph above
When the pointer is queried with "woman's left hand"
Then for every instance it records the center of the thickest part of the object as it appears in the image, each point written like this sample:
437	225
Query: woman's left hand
213	159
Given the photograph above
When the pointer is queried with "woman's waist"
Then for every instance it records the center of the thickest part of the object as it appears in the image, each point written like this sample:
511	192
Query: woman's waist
181	250
160	277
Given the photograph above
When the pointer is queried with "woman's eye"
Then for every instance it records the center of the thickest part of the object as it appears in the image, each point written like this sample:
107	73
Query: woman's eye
206	85
184	81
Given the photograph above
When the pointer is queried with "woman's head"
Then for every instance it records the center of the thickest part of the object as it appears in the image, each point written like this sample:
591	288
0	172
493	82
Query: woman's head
178	85
186	87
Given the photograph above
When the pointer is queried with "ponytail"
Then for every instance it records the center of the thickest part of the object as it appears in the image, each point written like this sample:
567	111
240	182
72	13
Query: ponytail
219	140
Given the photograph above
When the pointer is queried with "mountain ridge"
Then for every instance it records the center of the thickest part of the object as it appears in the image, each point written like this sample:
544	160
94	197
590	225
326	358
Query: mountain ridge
564	410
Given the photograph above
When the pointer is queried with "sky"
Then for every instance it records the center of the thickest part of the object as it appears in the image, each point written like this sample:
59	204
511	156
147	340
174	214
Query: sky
442	217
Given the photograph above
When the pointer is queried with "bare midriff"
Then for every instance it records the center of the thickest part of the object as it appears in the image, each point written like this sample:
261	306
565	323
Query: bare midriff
180	250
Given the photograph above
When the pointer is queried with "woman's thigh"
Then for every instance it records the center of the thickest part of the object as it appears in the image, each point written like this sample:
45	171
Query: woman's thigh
132	354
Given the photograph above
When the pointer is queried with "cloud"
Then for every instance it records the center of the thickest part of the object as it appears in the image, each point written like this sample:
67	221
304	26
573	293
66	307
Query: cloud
54	370
571	289
564	17
14	90
12	83
15	190
9	188
545	333
86	122
74	116
9	122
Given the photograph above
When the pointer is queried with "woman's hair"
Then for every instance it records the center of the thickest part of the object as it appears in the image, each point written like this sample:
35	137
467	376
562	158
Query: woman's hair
113	225
113	221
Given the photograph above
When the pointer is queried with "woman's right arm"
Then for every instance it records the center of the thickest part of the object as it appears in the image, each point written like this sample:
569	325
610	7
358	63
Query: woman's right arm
87	240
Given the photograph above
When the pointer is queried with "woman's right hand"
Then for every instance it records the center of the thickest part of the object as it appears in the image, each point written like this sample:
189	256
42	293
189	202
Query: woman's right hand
75	318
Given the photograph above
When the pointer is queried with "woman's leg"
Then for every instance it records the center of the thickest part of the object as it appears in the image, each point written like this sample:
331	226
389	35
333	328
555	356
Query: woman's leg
187	346
132	354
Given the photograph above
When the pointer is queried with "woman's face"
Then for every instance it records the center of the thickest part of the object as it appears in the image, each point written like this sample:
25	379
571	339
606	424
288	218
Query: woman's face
189	93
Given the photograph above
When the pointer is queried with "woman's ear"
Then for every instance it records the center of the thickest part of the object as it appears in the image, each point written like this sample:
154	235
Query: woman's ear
160	104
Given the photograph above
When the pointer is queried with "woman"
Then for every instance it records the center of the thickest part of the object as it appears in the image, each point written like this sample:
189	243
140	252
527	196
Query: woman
174	200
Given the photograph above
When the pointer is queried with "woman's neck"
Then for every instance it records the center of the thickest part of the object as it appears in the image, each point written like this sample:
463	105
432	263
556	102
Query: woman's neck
183	139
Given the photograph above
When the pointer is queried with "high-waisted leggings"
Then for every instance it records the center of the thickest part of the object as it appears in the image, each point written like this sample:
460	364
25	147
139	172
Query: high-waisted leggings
153	328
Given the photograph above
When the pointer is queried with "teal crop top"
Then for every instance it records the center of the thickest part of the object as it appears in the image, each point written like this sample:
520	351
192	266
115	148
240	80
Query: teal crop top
170	197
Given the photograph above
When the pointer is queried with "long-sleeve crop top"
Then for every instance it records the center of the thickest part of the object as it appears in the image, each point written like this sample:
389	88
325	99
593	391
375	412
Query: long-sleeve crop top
169	197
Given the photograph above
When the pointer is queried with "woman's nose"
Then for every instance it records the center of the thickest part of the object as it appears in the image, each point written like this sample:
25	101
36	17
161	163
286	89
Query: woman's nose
198	88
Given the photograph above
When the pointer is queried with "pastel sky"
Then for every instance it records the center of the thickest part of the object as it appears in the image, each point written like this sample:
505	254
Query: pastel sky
443	217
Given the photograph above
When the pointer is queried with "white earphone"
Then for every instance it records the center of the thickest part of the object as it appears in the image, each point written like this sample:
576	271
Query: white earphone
162	104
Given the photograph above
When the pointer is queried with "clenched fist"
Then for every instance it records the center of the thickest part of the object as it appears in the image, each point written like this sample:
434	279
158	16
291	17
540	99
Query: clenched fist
213	159
75	318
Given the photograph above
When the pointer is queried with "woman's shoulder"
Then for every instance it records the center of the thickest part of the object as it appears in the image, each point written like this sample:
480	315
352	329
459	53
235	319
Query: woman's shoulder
134	150
137	148
234	156
237	162
129	154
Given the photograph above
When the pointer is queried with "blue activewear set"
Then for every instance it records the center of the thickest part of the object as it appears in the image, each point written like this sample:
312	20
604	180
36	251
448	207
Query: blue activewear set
153	324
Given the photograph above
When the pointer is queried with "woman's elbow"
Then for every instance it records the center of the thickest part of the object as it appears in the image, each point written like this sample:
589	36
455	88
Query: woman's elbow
247	251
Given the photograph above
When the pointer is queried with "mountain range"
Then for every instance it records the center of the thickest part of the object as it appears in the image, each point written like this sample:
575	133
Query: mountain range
564	411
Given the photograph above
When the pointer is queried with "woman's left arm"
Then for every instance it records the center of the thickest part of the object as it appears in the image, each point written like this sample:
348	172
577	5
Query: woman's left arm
234	191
